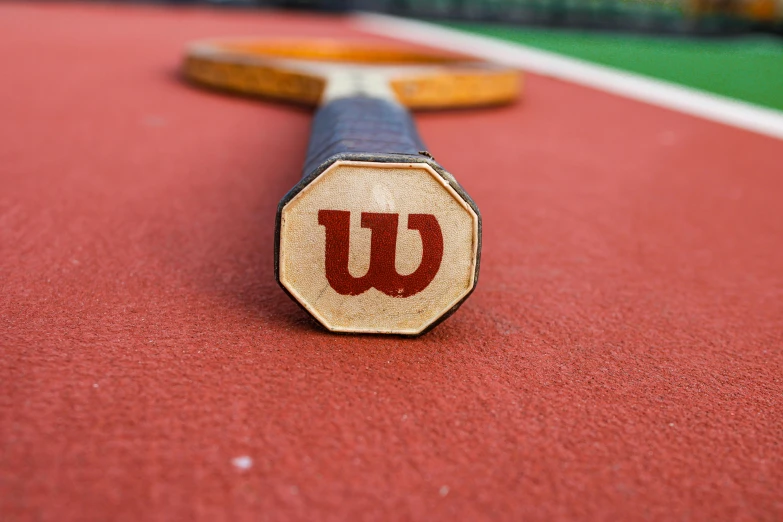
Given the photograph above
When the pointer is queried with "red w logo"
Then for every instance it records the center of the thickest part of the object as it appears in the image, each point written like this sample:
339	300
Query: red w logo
382	273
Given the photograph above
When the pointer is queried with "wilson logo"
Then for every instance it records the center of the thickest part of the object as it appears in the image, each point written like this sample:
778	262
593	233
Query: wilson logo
382	273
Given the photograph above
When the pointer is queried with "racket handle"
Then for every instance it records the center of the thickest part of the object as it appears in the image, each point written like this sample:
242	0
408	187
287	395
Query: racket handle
361	124
366	164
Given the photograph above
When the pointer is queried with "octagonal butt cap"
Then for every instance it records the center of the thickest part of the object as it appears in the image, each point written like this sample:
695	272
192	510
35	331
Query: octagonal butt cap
374	247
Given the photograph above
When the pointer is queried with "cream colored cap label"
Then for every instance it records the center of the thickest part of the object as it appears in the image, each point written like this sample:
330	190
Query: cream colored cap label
378	247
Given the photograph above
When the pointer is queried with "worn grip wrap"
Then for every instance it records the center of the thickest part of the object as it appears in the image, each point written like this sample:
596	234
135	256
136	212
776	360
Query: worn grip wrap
361	124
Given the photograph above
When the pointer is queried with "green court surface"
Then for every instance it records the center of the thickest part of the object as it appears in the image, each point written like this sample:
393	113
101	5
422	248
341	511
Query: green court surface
745	68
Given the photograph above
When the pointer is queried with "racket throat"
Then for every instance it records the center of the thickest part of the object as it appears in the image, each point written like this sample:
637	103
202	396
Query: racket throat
351	83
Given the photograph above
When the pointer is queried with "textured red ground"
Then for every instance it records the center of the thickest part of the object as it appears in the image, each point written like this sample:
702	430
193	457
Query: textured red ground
620	360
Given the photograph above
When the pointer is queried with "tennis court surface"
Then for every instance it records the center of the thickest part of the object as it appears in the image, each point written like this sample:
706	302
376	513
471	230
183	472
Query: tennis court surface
621	358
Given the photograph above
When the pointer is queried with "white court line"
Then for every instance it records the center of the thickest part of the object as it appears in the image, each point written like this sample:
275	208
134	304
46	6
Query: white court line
664	94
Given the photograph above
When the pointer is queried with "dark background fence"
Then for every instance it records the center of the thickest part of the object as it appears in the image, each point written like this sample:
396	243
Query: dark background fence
687	17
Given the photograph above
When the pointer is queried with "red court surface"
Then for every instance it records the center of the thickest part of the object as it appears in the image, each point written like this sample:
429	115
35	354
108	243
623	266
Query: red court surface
620	359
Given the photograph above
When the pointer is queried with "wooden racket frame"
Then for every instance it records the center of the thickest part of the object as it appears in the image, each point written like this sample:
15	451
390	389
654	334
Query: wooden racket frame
267	68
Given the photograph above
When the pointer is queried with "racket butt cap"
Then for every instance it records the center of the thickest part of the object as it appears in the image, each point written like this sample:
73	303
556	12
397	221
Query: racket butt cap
378	243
